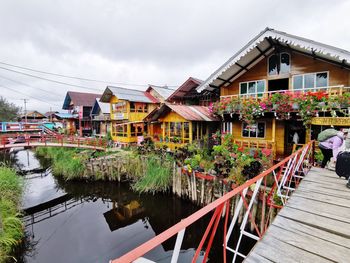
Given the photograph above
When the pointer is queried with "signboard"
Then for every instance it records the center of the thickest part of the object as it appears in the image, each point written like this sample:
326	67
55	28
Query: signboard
119	116
329	121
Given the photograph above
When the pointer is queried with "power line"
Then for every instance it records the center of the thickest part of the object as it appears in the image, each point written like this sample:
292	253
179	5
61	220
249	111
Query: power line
79	78
24	84
51	80
28	95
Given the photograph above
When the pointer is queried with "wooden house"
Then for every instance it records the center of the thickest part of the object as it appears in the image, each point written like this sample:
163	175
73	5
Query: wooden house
176	125
128	108
68	121
101	118
277	62
33	116
187	94
185	116
80	104
161	93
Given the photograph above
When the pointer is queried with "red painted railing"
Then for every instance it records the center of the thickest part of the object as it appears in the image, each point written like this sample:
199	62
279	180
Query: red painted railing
274	186
49	140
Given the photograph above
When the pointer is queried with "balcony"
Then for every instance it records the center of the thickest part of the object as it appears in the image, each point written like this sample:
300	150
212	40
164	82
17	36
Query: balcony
333	101
331	91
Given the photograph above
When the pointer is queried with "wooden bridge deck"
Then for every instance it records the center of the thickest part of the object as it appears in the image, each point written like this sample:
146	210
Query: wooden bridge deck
51	144
314	226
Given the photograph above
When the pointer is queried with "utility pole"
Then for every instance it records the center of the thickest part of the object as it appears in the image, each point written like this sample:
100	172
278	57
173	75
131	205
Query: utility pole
25	109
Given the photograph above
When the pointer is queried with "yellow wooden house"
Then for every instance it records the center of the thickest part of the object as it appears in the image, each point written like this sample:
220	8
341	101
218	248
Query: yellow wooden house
273	62
176	125
128	108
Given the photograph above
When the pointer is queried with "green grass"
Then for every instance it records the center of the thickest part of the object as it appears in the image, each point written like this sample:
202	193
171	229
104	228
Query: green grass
157	177
11	227
68	163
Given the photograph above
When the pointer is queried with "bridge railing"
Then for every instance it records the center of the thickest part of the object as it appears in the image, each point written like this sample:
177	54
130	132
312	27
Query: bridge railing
30	139
272	187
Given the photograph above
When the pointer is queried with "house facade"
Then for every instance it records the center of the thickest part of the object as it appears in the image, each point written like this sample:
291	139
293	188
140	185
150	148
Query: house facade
273	63
184	117
101	121
79	104
128	108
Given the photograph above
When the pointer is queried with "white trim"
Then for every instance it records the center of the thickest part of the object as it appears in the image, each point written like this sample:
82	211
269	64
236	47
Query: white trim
294	41
310	73
264	122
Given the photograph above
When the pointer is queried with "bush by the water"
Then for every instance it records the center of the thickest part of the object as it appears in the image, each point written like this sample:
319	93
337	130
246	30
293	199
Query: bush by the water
65	162
11	227
157	176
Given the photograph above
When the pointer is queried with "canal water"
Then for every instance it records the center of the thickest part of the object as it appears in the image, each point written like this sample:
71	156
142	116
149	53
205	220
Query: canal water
98	221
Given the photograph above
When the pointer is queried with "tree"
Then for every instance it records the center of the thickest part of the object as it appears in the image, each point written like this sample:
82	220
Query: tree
8	111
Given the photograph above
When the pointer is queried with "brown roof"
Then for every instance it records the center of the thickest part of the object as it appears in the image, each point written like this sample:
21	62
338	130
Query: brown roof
189	85
190	113
80	99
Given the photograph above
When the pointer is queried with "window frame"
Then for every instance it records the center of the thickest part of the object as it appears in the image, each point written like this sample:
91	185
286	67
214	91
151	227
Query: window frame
227	127
315	77
280	62
255	95
256	137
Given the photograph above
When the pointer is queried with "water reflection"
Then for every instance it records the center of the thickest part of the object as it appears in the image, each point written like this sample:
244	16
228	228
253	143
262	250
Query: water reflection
96	221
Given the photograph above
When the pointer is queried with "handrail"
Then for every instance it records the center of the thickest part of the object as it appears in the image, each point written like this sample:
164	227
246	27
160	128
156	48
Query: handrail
267	93
291	168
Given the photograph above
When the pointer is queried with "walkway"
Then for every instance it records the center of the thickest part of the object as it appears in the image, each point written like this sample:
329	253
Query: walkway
314	225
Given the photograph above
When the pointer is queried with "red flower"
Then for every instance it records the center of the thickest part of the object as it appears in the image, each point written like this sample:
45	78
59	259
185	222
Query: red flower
266	152
240	149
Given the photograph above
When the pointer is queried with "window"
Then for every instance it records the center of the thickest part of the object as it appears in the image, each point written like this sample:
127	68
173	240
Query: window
256	130
311	81
227	127
252	88
279	64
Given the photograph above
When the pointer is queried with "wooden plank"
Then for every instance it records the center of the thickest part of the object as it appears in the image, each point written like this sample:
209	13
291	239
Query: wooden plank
298	227
328	224
334	186
332	179
314	245
322	172
309	187
256	258
278	251
320	208
340	201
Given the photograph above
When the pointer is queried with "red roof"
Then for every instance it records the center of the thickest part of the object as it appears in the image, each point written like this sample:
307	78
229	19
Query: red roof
80	99
190	113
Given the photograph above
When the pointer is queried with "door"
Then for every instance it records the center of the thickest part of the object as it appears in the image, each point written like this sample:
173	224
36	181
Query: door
295	133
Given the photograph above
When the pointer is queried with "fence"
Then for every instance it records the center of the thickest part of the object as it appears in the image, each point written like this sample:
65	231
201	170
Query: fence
274	186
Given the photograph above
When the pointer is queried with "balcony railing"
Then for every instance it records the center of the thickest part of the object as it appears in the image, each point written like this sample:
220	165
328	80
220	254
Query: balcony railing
332	91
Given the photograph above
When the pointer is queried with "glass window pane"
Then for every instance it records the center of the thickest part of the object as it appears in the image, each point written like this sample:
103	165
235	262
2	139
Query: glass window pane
243	88
273	60
309	81
261	129
297	82
285	63
252	130
252	87
245	130
321	79
261	86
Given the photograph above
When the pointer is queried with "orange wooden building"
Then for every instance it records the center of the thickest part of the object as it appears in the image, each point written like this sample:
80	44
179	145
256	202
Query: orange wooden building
275	61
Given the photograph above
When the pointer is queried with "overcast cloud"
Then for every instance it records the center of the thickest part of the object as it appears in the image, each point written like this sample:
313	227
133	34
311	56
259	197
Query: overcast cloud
159	42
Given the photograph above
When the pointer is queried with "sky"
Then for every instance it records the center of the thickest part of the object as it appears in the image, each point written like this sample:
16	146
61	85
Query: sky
133	43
